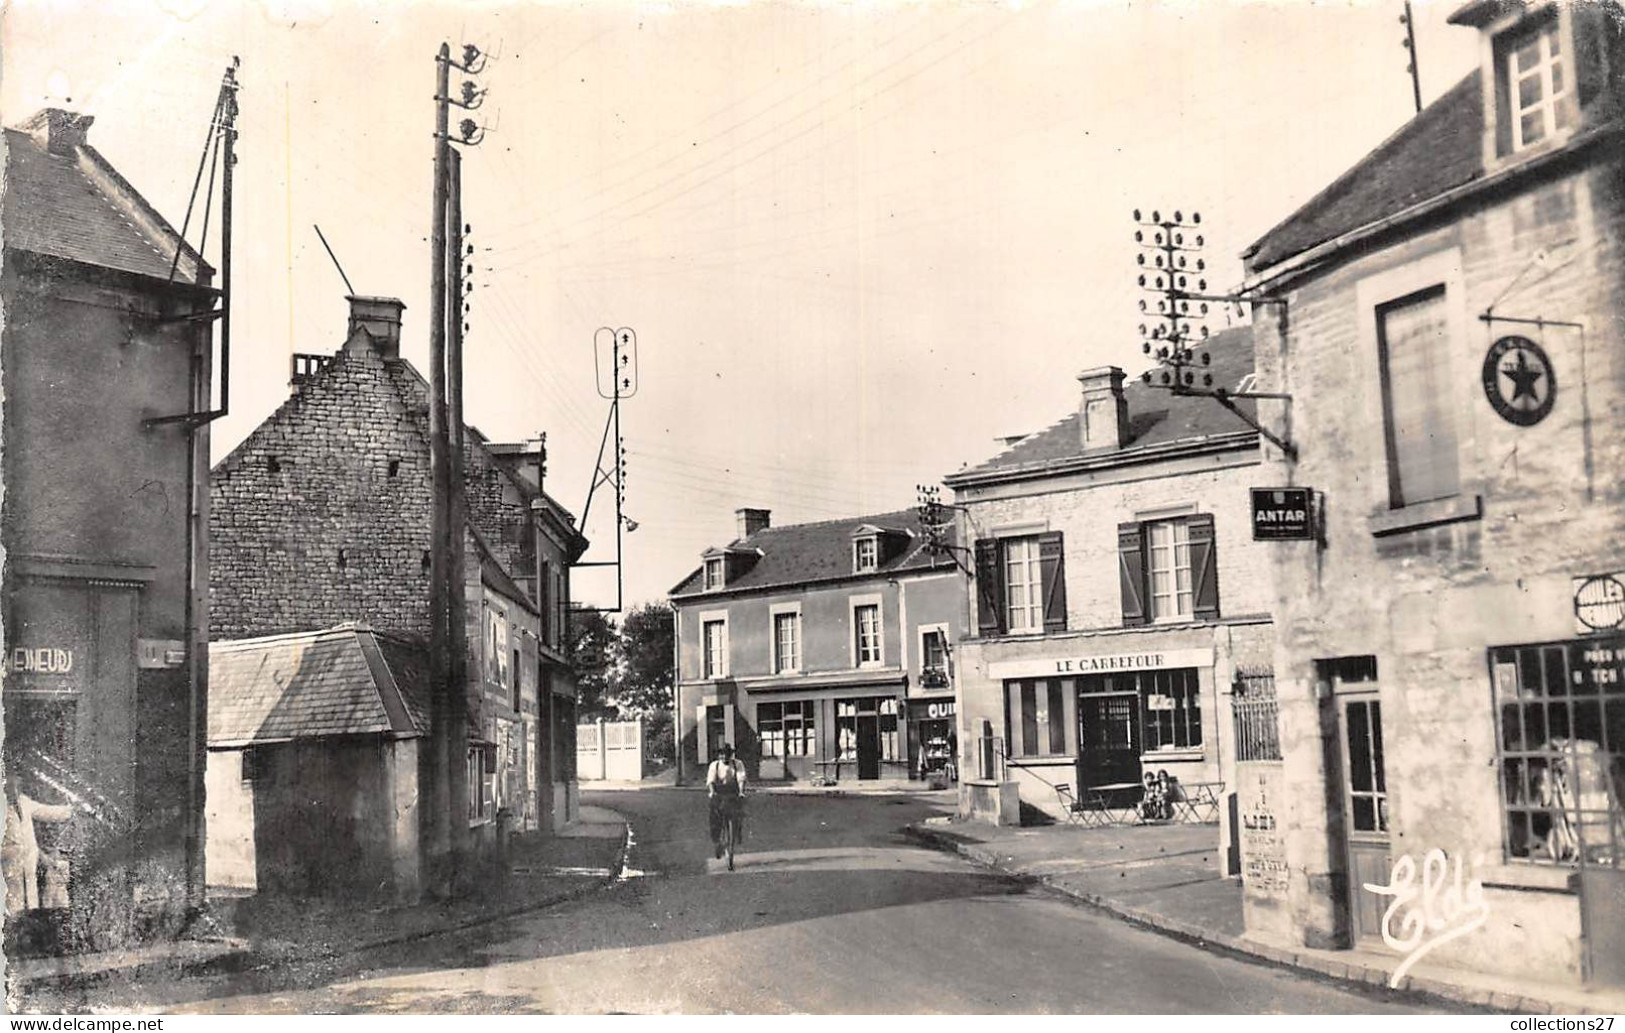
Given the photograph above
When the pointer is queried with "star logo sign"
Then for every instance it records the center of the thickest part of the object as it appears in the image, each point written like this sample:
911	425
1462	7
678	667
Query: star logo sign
1519	381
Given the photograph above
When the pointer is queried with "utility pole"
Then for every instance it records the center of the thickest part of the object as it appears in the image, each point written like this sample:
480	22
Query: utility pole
1408	19
621	367
446	426
438	813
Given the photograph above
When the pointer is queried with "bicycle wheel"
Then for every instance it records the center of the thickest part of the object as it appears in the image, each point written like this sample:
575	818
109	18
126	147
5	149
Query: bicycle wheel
729	834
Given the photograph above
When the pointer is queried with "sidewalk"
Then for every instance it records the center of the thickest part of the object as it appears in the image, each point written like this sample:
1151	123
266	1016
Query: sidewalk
251	933
1166	877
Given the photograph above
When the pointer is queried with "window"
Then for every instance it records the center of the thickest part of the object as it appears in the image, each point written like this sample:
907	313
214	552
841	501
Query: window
1561	711
1171	709
496	655
715	635
1020	584
1023	585
1168	570
854	719
1536	85
934	657
786	642
1038	720
481	783
1168	551
865	554
866	623
786	729
713	573
1413	343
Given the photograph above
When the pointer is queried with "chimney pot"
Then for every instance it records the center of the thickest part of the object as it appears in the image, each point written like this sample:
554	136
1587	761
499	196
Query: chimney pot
753	520
381	318
59	130
1103	409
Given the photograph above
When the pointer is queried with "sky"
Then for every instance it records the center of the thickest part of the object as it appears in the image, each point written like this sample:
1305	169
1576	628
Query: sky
858	242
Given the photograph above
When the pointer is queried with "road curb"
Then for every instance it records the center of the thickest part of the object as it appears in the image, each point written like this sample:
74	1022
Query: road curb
1344	971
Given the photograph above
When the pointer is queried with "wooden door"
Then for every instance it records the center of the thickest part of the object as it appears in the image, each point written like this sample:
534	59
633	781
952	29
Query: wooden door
1108	739
1365	810
868	746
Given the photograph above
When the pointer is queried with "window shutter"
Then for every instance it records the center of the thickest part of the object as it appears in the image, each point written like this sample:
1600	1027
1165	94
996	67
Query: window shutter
1131	572
989	588
1204	568
1052	569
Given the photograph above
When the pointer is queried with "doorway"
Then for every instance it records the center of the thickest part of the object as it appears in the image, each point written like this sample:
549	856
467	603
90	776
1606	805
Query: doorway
1108	740
866	731
1365	804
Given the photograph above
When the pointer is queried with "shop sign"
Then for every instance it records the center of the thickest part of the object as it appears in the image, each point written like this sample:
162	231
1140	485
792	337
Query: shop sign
941	710
1049	667
1283	514
1158	701
42	661
1519	381
1599	602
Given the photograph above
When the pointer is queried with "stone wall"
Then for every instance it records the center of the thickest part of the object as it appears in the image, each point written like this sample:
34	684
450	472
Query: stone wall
1427	601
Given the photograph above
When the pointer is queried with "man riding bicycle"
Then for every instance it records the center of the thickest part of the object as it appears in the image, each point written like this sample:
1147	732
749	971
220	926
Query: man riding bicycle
724	785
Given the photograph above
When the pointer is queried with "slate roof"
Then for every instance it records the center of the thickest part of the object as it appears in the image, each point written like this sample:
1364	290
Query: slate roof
1438	150
1155	416
340	681
76	206
796	554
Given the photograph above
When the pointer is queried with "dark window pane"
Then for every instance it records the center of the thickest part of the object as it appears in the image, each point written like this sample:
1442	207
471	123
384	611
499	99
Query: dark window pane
1557	672
1359	735
1057	719
1029	721
1376	746
1365	814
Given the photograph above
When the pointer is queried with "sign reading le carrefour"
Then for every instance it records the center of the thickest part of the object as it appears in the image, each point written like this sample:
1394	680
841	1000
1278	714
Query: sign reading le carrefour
1283	514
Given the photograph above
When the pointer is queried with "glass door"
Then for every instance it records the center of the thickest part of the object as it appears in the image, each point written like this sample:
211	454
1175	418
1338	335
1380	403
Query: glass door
1365	810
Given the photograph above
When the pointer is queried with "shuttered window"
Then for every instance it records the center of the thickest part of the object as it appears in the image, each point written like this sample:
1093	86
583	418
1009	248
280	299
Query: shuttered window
1168	570
1021	584
1413	338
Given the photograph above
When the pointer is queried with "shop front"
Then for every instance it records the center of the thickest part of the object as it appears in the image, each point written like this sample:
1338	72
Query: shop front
70	713
835	734
933	743
1100	724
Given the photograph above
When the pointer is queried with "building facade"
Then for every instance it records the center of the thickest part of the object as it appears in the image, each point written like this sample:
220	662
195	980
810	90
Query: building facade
819	650
1449	663
1118	593
321	517
105	549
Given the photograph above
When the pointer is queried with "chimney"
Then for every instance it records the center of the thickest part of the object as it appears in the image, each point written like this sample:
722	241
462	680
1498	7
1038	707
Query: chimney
753	520
60	131
381	318
1104	410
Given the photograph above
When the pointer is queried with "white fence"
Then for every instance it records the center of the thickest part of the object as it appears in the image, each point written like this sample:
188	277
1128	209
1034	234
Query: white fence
609	750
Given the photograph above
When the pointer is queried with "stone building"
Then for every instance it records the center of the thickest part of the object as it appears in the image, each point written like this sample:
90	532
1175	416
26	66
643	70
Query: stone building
1118	594
321	517
821	649
105	548
1449	656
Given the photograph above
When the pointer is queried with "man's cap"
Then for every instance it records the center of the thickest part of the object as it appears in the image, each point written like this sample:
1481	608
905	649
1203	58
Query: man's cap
726	747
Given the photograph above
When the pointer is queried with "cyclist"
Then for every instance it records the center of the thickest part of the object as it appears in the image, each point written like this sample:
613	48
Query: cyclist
724	785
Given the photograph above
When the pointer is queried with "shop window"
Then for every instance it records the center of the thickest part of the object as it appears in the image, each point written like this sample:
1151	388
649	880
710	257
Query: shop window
1560	708
1171	709
786	729
1037	716
1021	584
1168	570
853	716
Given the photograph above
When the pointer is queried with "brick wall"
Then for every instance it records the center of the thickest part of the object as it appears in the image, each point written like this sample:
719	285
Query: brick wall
312	480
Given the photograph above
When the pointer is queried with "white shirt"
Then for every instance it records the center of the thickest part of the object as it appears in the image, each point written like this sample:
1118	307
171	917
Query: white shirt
723	772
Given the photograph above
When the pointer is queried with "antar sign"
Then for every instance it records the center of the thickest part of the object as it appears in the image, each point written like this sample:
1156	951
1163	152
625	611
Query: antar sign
1283	514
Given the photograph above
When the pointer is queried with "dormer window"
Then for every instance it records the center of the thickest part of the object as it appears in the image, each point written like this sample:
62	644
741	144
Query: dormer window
1537	83
713	573
865	555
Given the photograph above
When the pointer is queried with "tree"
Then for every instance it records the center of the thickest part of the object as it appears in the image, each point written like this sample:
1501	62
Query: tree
644	660
593	645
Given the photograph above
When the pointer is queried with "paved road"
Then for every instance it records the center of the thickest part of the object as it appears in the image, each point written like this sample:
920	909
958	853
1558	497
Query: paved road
831	910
